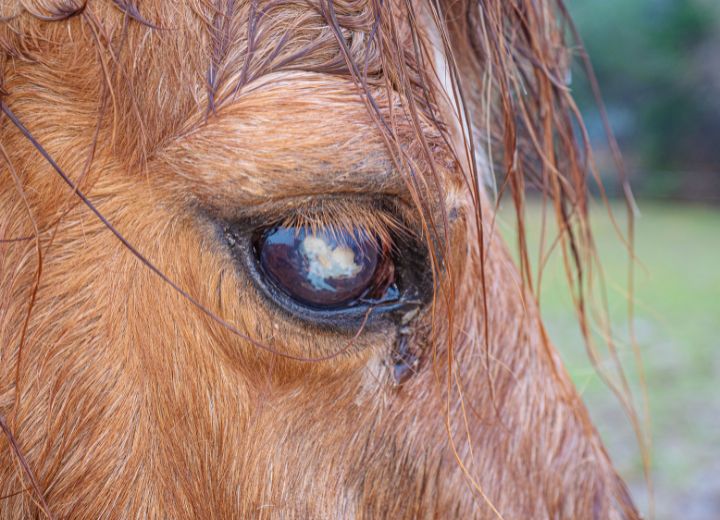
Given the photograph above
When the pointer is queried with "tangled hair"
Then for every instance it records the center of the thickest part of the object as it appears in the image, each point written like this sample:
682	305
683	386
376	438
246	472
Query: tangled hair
470	104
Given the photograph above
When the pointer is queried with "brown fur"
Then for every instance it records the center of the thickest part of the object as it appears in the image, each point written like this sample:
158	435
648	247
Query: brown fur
126	400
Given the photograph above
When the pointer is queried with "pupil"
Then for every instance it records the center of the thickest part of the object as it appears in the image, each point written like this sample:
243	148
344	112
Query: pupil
317	267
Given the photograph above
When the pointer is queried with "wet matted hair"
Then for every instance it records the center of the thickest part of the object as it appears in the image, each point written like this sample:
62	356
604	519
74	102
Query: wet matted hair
442	109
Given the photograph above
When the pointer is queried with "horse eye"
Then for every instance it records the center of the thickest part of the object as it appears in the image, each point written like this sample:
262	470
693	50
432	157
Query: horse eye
324	268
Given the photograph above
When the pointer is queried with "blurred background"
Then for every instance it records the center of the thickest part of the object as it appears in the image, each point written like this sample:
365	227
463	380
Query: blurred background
658	65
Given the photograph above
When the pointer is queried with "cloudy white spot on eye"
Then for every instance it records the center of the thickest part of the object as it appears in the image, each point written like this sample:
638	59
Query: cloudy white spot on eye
327	261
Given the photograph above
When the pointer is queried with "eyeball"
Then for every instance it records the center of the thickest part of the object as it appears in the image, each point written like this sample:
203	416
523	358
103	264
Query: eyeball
324	268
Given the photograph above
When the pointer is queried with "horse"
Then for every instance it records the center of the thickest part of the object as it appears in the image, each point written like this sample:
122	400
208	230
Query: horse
250	264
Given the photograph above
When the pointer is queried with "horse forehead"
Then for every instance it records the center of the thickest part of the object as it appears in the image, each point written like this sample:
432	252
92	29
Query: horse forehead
166	66
180	59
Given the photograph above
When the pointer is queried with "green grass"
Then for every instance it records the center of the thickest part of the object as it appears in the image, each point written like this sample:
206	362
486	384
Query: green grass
677	316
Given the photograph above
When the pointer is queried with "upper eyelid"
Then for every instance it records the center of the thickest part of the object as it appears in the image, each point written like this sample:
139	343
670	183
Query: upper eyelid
250	152
232	187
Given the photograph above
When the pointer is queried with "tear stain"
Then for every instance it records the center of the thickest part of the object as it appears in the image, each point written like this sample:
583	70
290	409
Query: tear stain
404	361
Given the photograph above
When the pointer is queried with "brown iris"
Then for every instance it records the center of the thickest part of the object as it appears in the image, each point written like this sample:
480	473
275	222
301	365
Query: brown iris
325	268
